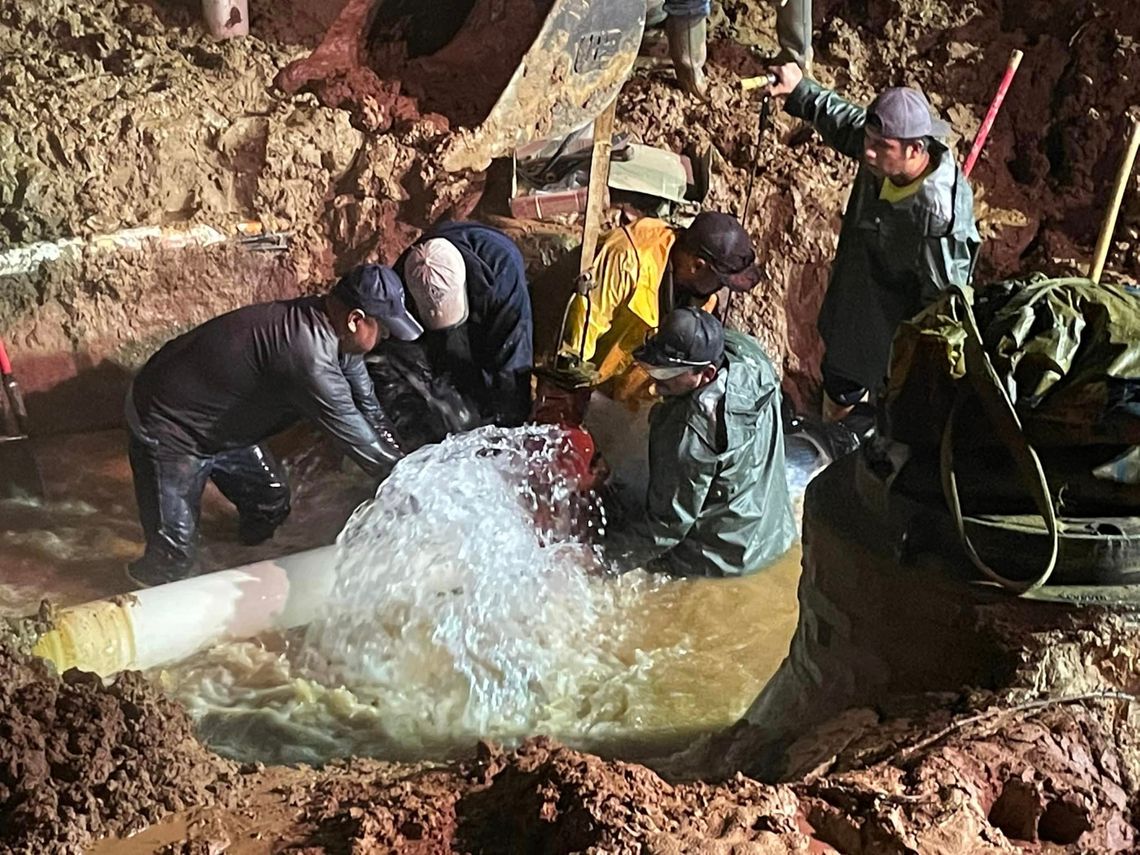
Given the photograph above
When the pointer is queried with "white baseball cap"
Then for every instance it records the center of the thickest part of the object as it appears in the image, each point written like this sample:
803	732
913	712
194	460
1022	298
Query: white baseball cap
436	277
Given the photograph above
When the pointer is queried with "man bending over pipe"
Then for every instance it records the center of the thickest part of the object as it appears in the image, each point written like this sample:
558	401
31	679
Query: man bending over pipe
203	404
718	501
468	288
641	272
908	232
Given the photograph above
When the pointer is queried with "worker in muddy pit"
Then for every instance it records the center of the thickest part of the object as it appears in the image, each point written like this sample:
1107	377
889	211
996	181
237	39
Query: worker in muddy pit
202	406
718	502
908	232
686	27
639	274
468	288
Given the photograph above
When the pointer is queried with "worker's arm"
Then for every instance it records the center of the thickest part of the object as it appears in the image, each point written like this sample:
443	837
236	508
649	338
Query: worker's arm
839	122
615	279
944	262
322	392
355	371
509	347
681	473
950	247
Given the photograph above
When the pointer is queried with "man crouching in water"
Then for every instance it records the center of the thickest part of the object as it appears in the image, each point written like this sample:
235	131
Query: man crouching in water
718	501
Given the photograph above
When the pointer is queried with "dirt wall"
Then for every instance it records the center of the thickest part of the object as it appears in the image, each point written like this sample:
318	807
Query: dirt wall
124	114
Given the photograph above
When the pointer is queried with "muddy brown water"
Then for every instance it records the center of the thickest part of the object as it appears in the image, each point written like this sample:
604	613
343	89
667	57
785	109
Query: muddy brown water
725	638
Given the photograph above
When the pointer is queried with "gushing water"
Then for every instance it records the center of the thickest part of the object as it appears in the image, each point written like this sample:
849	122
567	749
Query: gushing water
465	594
469	603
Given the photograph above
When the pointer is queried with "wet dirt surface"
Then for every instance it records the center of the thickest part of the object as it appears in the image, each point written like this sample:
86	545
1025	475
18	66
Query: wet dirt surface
79	760
1041	780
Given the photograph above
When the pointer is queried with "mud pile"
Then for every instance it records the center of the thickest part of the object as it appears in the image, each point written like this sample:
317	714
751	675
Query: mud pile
79	760
937	775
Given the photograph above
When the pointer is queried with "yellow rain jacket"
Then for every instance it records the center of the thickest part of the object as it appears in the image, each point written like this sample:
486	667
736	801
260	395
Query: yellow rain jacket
625	306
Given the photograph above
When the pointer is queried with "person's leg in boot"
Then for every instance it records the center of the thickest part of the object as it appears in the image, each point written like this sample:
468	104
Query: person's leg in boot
168	489
687	31
654	13
793	32
254	481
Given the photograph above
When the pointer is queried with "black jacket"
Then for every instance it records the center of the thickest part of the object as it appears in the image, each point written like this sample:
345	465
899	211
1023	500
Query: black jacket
246	375
489	357
893	259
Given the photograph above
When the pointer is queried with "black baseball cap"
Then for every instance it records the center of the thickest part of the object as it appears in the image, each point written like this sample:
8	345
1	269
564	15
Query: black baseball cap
688	338
721	240
378	292
905	114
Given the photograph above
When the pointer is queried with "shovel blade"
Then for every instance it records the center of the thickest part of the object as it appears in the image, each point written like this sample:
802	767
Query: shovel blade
19	472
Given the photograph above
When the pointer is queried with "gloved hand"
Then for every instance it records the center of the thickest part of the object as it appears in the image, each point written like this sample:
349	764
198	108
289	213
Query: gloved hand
389	446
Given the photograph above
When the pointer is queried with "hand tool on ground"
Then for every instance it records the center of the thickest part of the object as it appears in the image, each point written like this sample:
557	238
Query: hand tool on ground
991	113
19	472
1123	174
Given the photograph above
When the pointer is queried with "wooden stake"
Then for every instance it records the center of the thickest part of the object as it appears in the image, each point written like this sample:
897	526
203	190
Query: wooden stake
1105	240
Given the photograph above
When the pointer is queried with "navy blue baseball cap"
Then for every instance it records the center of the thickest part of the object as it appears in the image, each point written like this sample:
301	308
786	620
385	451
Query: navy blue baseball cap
378	292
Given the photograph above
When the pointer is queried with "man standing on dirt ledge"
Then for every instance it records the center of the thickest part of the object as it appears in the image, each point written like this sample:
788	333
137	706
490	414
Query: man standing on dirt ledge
908	232
718	502
686	26
203	404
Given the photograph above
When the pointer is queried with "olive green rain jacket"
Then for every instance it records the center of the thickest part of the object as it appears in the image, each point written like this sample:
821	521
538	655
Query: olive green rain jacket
894	258
718	501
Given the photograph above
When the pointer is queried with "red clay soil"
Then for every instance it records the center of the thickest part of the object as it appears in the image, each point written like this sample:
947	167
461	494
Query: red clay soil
79	760
937	778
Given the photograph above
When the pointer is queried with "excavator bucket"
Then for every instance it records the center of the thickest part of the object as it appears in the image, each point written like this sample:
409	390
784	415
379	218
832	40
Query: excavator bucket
500	73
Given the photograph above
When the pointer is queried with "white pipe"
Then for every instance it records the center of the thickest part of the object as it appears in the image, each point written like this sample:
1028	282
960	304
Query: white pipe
25	259
226	18
168	623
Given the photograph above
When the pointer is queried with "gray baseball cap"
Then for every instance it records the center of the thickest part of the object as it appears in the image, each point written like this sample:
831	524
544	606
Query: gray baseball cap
905	114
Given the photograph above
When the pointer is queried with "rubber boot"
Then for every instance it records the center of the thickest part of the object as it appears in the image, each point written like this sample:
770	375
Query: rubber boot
654	13
688	50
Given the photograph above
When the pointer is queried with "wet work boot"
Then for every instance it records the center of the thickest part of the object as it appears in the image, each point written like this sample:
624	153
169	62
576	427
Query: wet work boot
688	50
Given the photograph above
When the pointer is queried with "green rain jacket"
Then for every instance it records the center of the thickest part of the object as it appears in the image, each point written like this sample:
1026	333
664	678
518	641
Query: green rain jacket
894	259
718	501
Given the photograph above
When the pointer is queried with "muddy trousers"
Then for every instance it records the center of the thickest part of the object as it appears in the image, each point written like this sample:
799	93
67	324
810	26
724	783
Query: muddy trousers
793	32
169	487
